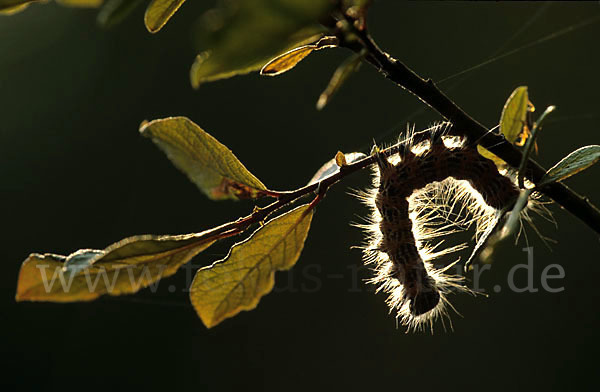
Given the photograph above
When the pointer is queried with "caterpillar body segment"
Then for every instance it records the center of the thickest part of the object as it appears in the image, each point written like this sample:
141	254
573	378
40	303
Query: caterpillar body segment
412	188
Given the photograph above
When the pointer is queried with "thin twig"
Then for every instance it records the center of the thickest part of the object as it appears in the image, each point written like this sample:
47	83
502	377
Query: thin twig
285	197
427	91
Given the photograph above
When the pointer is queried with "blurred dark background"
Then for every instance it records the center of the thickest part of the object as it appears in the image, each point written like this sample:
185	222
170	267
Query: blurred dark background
75	174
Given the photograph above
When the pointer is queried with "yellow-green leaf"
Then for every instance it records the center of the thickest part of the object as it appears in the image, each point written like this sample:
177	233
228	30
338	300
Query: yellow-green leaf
237	282
242	36
81	3
123	268
489	155
341	74
10	7
514	114
290	59
572	164
13	10
512	121
208	163
159	12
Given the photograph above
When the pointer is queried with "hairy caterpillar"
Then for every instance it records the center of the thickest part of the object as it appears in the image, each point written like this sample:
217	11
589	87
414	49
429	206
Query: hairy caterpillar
413	188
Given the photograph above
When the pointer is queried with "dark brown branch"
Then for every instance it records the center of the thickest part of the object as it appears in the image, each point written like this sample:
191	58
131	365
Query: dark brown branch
427	91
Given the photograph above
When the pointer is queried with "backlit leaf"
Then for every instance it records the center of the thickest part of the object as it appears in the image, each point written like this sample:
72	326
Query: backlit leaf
10	7
237	282
159	12
514	114
341	74
208	163
572	164
489	155
81	3
123	268
242	36
512	121
287	61
13	10
290	59
332	167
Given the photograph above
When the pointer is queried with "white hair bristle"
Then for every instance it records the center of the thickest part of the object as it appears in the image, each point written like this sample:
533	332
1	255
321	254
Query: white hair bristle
435	210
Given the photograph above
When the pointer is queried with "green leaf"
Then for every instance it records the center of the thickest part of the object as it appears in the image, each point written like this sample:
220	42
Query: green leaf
81	3
13	10
290	59
341	74
10	7
238	282
514	114
491	156
123	268
572	164
209	164
512	120
159	12
242	36
114	12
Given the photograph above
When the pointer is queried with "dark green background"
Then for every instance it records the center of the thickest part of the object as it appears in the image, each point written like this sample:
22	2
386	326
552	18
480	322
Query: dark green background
74	173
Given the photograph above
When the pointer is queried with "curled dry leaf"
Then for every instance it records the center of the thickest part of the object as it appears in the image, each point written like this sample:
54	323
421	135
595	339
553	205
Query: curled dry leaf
122	268
208	163
238	282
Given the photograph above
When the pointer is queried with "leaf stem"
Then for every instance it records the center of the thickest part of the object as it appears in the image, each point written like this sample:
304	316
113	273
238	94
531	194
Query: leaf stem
529	145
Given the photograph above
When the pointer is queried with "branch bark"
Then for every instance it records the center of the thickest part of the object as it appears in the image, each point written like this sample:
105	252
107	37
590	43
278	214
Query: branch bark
430	94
